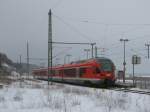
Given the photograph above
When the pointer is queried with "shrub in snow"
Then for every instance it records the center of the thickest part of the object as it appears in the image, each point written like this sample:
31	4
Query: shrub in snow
80	91
18	96
98	94
54	101
75	101
15	74
58	103
111	100
76	91
67	90
122	100
145	110
37	86
109	103
69	98
2	99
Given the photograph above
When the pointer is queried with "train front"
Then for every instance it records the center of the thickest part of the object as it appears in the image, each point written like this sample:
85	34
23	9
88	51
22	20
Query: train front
107	70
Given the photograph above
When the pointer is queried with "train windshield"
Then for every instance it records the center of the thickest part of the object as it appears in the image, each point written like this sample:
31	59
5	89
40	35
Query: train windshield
106	65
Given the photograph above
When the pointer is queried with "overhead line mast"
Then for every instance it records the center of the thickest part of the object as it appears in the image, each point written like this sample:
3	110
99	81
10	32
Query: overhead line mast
50	47
148	46
50	42
28	59
124	57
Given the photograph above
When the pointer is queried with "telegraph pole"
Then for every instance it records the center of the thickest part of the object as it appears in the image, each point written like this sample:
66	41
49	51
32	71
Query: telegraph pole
20	65
124	58
28	59
147	45
50	47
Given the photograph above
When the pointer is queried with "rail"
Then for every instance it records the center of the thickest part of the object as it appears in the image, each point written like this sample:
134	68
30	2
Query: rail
131	91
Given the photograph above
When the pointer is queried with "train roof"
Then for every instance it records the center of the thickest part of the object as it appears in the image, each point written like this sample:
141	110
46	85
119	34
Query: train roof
79	63
91	59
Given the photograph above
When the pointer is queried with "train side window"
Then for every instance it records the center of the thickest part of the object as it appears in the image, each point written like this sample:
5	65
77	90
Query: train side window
82	71
56	72
59	71
70	72
53	72
97	70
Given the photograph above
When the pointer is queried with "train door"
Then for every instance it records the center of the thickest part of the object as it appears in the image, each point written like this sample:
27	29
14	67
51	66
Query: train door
61	74
96	72
89	72
77	72
82	72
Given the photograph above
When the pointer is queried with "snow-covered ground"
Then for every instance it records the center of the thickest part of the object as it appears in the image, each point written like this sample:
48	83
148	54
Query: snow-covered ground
31	96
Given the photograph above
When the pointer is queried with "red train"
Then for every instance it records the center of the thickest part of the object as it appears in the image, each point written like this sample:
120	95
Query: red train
92	71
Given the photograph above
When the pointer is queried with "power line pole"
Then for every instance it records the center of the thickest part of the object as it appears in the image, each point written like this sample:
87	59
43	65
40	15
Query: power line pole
68	55
20	71
103	50
87	53
28	59
0	60
20	65
92	50
95	51
147	45
20	59
124	57
50	47
57	61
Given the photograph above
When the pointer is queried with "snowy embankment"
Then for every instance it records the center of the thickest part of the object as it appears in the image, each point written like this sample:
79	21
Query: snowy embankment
36	97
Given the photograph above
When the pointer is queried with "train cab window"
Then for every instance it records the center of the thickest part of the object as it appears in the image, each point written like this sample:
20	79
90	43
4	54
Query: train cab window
82	71
106	65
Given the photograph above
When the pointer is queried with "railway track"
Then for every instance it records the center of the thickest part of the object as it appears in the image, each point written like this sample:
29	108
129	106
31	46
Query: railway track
114	88
130	90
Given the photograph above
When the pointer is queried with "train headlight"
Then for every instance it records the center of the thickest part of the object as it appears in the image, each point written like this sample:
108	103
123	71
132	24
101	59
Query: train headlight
108	75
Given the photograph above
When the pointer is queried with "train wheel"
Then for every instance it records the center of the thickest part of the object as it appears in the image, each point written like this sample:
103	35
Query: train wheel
108	83
87	83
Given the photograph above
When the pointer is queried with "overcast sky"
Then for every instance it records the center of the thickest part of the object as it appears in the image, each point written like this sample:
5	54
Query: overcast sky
100	21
